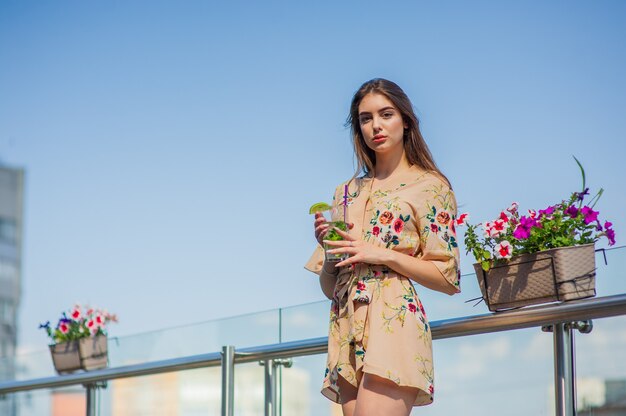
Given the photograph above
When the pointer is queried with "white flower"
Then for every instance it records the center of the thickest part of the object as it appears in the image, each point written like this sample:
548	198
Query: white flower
499	227
503	250
487	227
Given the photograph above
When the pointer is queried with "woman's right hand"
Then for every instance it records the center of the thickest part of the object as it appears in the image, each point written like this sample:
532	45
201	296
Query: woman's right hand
321	227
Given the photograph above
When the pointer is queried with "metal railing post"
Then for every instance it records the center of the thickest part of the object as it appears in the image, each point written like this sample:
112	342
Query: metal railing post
270	387
564	399
271	370
228	380
571	352
91	399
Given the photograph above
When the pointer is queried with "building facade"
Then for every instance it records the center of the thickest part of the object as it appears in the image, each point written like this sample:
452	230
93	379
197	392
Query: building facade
11	226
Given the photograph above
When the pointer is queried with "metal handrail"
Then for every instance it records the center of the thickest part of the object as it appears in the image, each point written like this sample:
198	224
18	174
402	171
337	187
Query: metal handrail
602	307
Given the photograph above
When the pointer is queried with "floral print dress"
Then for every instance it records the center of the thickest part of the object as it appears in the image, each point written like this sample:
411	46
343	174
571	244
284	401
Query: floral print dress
378	324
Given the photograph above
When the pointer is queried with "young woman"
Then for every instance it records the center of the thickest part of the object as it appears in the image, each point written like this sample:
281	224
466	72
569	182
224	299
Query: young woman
402	213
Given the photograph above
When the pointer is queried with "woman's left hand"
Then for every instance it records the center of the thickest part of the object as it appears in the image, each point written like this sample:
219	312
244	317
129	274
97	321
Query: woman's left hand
359	250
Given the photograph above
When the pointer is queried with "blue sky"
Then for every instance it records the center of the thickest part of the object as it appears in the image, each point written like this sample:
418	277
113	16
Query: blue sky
172	149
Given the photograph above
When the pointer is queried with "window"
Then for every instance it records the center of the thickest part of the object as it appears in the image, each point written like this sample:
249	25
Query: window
8	271
8	230
6	311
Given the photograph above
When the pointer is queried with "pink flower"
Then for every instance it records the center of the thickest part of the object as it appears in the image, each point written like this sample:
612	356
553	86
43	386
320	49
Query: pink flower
504	217
513	208
99	320
64	328
376	231
92	326
532	213
76	314
398	225
360	285
434	228
431	389
412	307
503	250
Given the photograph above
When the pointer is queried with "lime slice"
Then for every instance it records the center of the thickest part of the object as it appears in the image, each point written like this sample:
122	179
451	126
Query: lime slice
320	206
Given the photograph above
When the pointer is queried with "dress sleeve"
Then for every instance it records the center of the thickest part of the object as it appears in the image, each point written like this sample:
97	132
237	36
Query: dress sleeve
436	214
316	261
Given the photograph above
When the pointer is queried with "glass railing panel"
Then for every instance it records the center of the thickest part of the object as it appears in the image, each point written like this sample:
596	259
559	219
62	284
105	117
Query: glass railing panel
601	368
304	321
184	393
67	401
611	277
191	392
241	331
300	388
505	373
34	364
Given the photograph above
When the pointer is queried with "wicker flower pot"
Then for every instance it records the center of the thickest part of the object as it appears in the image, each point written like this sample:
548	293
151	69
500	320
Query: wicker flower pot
84	354
558	274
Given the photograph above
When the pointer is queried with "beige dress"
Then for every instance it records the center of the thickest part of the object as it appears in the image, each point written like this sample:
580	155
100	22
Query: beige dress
378	324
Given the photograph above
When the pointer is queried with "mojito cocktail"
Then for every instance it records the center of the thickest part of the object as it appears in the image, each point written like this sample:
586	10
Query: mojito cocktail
333	235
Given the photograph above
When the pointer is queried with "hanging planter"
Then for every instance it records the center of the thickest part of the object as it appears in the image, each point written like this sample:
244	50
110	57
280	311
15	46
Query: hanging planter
542	256
558	274
84	354
79	340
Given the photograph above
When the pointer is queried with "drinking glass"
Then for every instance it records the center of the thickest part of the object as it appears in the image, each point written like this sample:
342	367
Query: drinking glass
338	220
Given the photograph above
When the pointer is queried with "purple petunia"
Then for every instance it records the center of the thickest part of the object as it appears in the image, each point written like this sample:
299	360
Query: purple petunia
590	214
522	231
572	211
547	212
610	234
581	195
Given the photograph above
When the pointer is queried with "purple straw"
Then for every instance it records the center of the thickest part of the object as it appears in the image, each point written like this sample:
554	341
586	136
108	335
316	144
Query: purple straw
345	202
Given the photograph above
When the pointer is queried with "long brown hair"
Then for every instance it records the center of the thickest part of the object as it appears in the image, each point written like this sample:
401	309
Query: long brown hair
415	148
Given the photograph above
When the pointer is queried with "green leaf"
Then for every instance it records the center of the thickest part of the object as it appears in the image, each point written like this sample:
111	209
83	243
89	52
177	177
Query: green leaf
582	171
485	265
